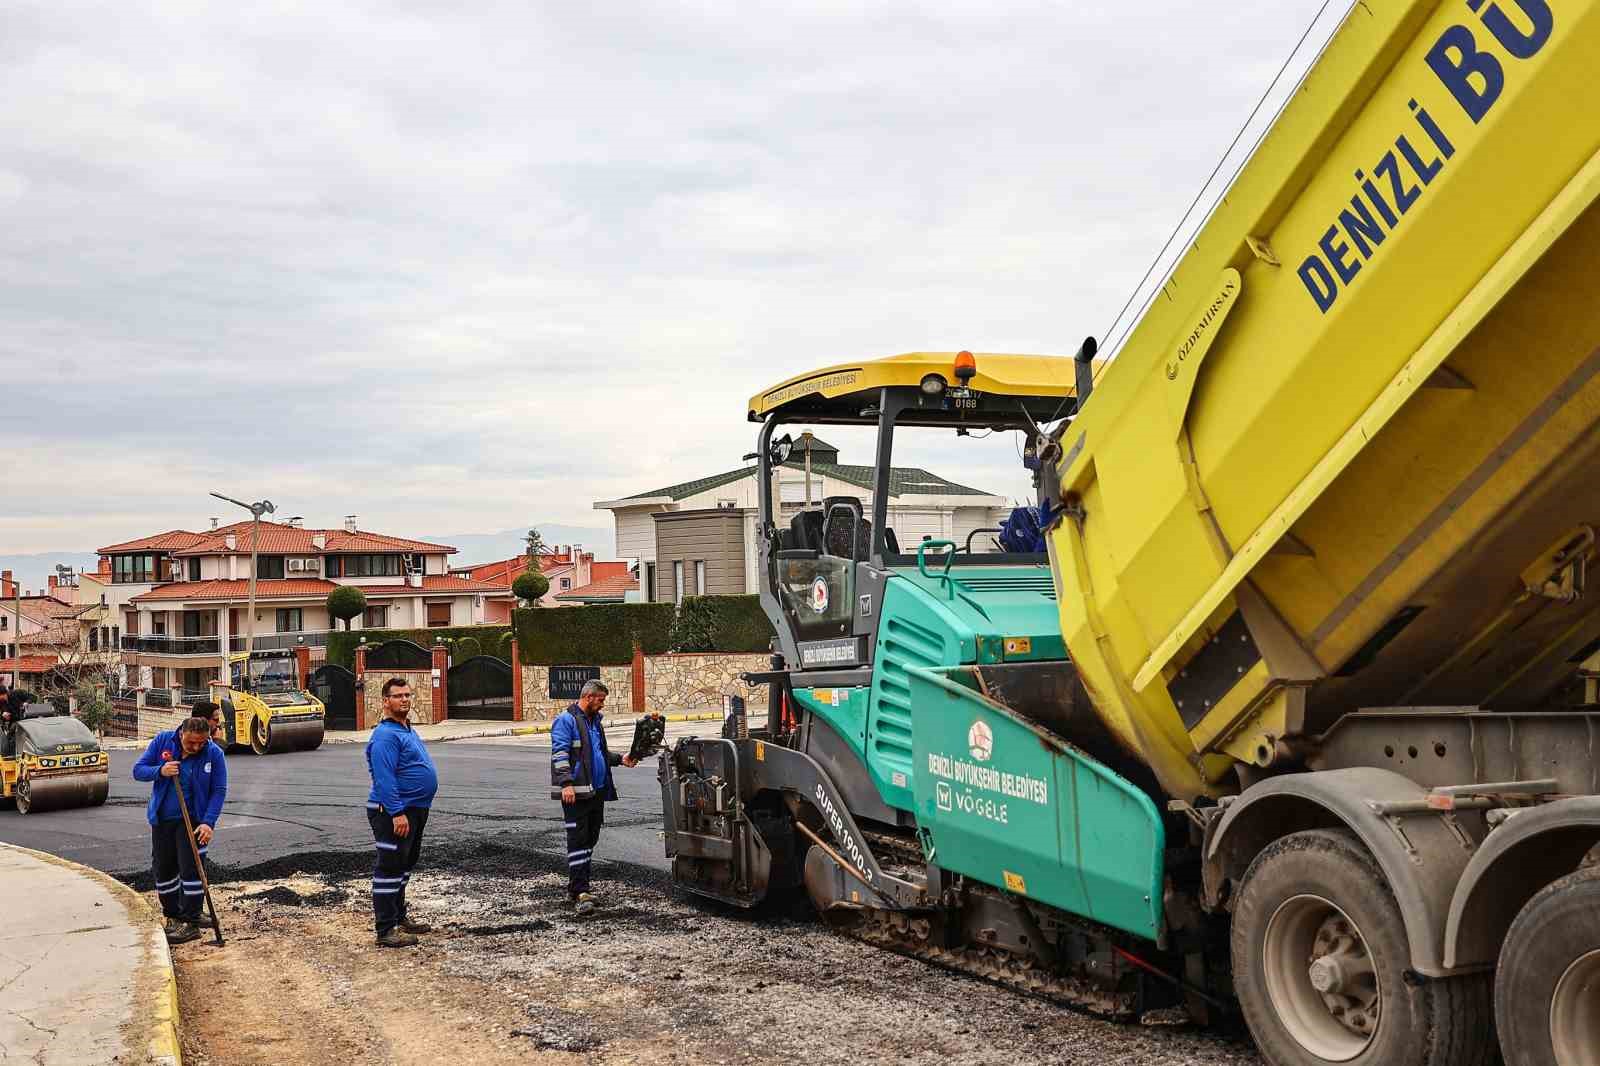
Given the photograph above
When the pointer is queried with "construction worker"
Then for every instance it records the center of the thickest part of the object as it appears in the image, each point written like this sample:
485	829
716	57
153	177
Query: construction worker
211	712
5	720
580	766
185	755
403	784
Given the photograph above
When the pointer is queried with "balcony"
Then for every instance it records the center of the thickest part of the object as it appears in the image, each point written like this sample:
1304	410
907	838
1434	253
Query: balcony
164	645
161	644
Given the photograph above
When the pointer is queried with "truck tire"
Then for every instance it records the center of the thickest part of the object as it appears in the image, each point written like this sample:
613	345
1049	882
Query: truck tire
1547	989
1321	966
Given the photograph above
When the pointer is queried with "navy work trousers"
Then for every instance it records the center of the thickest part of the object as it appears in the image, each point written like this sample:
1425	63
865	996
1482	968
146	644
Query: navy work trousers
178	884
582	821
396	858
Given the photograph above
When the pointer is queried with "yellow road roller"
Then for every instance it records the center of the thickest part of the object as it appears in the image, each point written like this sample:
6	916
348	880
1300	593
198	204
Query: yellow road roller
264	706
53	761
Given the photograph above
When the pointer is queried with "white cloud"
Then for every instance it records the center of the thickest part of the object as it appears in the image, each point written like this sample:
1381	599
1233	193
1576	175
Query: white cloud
471	266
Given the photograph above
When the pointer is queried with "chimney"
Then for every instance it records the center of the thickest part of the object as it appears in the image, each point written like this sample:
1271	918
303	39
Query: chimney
297	522
51	583
230	541
214	521
319	541
350	523
8	587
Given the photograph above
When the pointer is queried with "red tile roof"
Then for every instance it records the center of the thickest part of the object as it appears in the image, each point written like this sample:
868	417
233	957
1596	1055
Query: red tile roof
168	541
276	538
31	664
615	586
505	571
269	589
436	583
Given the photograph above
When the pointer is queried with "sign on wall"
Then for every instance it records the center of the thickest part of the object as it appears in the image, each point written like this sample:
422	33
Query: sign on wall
566	682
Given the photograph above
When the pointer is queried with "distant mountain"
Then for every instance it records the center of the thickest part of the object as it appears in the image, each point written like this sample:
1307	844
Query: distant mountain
491	547
31	570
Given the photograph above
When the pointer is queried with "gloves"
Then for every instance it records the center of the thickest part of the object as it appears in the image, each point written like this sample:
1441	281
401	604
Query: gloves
648	733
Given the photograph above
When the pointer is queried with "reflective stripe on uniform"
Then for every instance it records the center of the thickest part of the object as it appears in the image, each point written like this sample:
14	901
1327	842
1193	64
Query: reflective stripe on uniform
381	846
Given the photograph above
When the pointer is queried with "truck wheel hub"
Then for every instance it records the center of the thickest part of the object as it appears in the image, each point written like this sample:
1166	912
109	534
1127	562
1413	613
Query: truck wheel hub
1321	979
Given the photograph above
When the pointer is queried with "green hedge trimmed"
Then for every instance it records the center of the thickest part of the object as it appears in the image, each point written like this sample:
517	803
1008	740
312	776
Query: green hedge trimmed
342	645
721	623
602	634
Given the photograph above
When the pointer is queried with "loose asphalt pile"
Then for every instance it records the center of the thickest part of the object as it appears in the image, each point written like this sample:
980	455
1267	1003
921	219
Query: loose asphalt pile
660	975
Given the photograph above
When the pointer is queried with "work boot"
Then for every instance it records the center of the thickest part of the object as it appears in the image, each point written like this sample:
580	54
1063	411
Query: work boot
182	932
396	937
408	926
170	926
584	904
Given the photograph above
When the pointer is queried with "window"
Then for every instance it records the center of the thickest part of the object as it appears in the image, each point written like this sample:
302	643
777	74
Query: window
137	569
415	563
364	565
289	618
269	566
5	621
94	640
566	583
677	581
116	636
375	618
438	615
648	585
699	577
194	568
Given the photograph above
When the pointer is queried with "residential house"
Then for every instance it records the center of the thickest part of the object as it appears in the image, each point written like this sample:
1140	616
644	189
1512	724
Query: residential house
184	597
610	582
698	537
567	566
59	636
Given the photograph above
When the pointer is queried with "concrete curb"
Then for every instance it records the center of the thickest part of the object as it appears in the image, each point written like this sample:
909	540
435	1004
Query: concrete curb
164	1048
544	727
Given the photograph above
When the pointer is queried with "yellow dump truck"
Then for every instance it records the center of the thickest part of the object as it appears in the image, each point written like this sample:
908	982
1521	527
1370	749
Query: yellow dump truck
265	707
1295	712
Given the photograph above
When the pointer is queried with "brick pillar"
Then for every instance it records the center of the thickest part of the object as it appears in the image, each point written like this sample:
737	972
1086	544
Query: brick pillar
518	712
441	681
302	664
638	679
361	687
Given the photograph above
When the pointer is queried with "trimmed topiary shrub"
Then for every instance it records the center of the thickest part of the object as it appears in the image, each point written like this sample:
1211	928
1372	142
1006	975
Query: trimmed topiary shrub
345	603
601	634
721	623
529	586
465	648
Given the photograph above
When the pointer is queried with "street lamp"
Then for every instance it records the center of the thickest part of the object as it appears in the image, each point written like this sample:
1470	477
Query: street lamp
256	510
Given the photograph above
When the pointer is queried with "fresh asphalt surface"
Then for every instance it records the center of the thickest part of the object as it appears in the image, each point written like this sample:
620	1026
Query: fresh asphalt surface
315	801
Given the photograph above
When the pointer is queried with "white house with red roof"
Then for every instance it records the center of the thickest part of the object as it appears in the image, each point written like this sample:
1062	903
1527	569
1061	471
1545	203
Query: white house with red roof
184	596
567	566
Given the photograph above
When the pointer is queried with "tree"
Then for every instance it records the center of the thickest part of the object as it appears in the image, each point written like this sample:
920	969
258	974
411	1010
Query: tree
536	547
94	710
530	586
346	602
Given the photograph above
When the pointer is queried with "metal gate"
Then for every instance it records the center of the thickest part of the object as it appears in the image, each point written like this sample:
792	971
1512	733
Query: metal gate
480	687
336	688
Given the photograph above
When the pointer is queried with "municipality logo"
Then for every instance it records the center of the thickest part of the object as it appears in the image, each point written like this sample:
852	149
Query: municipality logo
980	741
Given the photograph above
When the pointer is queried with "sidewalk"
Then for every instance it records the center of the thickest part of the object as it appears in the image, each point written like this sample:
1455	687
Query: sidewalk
86	979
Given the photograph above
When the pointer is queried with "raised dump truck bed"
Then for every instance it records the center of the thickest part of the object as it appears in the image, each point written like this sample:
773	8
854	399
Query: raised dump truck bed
1347	458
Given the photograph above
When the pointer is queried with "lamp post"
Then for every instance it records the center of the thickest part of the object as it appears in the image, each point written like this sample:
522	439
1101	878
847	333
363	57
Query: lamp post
256	510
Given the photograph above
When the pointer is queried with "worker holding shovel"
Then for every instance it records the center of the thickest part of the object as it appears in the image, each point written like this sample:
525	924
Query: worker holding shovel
188	758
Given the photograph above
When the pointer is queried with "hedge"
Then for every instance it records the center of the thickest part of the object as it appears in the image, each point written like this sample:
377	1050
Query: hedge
342	645
721	623
601	634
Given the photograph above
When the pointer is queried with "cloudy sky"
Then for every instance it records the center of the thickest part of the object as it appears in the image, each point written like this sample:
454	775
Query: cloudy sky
462	267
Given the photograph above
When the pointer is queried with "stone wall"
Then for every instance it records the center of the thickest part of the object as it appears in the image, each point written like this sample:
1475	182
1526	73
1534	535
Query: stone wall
153	720
421	682
537	706
698	682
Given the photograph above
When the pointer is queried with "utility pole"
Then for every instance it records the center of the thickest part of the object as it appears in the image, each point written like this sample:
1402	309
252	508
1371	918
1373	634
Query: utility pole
805	442
256	511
